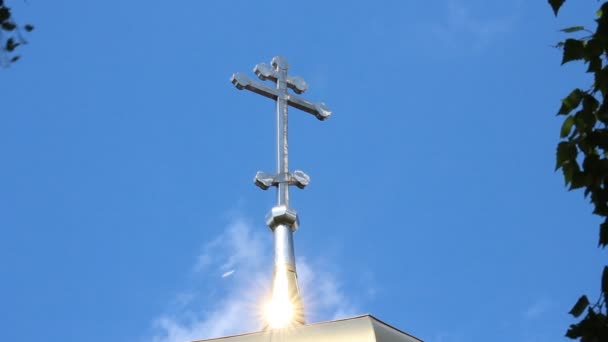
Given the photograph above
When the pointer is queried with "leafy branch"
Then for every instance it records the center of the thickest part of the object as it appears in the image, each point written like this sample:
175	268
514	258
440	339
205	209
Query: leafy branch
11	35
582	153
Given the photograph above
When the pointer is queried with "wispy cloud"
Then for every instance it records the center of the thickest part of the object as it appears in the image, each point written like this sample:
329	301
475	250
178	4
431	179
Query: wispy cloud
442	336
323	294
232	277
227	274
538	309
461	30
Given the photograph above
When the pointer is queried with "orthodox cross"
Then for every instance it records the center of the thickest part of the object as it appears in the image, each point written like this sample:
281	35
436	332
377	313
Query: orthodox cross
282	219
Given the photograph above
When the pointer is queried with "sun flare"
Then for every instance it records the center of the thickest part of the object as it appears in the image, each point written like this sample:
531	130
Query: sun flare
279	313
279	310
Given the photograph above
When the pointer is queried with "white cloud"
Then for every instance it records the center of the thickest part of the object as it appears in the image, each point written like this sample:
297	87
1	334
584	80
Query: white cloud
232	275
323	294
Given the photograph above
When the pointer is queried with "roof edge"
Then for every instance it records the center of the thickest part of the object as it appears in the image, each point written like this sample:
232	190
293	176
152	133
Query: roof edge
372	317
390	326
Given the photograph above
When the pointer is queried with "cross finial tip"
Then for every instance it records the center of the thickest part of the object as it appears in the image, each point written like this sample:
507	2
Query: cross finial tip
280	62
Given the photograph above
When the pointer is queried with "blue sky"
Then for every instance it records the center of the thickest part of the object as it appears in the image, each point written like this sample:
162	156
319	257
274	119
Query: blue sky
127	209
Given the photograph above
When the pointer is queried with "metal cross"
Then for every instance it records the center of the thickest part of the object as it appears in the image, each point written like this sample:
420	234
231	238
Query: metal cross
278	74
282	219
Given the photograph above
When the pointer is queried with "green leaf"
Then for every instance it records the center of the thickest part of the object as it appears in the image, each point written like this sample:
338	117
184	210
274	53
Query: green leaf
603	241
585	119
592	164
590	103
602	23
578	179
573	29
15	58
602	113
603	9
593	49
567	126
10	45
580	306
555	5
601	80
595	64
28	28
566	152
5	14
574	331
8	26
571	101
605	281
599	138
574	49
599	198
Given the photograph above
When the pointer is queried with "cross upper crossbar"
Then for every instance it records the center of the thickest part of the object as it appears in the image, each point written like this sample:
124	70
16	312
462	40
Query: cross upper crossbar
297	84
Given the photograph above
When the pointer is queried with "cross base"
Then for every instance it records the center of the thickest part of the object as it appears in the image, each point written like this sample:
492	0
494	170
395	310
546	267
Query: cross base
282	215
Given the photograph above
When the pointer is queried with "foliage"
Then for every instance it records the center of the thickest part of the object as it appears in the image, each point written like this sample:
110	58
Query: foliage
11	35
582	153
